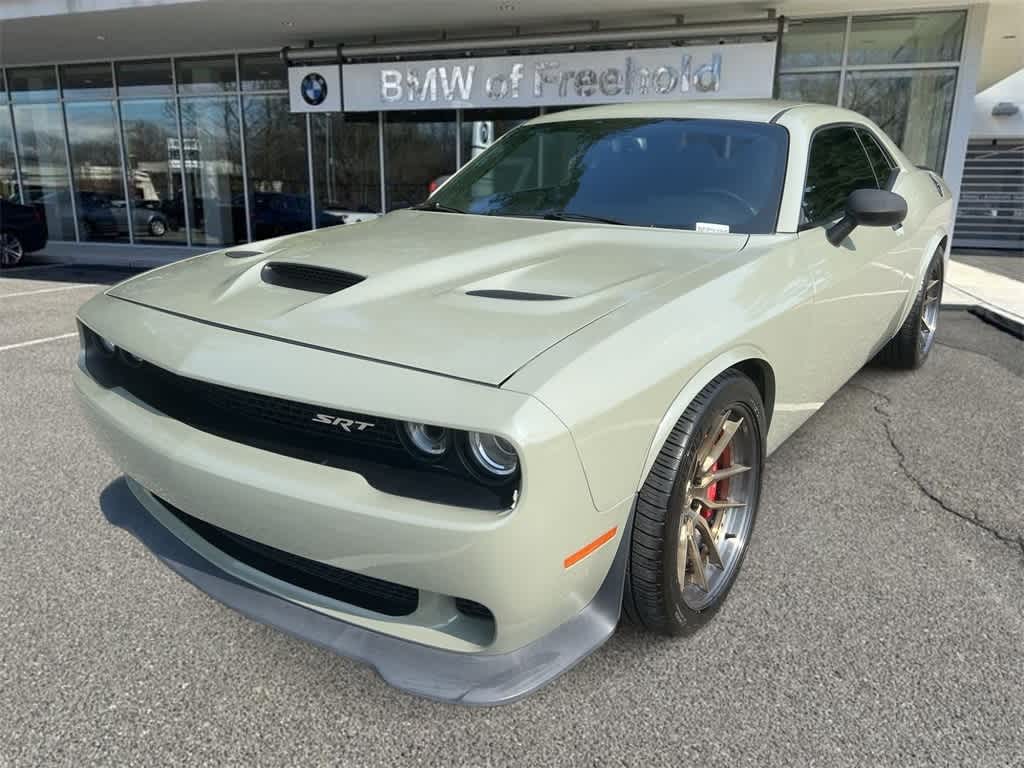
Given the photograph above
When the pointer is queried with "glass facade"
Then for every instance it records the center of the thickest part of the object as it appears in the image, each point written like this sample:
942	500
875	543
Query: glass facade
898	69
275	150
96	171
346	167
8	170
212	149
419	152
204	150
42	155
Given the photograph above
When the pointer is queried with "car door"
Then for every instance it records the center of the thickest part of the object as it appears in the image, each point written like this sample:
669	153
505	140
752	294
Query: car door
906	253
858	286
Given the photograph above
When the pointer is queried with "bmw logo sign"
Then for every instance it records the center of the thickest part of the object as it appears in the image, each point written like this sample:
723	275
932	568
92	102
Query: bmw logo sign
313	89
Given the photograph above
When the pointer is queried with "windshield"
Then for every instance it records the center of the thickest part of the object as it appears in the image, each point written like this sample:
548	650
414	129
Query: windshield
709	175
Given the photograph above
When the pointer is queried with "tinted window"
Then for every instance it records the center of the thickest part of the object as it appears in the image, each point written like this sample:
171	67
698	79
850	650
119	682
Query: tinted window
837	166
646	172
144	78
882	164
206	75
87	81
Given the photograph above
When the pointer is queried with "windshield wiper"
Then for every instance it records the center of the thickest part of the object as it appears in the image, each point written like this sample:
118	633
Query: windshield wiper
439	207
567	216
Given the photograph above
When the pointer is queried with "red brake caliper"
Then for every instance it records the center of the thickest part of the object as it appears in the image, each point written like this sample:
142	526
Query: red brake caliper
706	513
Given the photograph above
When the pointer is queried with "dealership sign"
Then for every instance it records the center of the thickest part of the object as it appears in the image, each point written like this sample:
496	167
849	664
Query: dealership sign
742	70
315	89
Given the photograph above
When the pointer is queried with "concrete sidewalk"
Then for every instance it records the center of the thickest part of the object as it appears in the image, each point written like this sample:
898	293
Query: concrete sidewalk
967	285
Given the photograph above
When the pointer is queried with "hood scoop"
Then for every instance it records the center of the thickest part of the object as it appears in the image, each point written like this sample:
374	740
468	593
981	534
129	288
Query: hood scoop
304	277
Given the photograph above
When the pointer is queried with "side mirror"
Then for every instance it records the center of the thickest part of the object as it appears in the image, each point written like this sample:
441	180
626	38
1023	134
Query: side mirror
868	208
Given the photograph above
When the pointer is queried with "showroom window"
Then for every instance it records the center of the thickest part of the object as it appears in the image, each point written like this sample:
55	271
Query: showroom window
275	150
898	69
346	167
155	180
42	152
419	152
9	189
212	149
96	171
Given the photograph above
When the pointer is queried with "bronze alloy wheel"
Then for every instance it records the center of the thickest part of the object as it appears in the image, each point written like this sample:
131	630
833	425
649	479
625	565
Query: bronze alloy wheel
930	306
695	512
909	347
716	510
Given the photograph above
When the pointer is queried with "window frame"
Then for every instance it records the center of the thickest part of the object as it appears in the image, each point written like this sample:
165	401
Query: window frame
894	168
806	225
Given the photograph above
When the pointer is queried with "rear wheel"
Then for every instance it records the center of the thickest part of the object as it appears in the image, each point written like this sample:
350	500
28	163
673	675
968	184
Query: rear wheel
11	250
695	513
909	348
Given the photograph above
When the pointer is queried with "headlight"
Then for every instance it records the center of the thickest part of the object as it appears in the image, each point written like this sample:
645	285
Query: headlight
426	441
492	455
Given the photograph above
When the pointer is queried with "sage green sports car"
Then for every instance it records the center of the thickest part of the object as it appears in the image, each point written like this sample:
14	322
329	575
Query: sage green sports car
457	441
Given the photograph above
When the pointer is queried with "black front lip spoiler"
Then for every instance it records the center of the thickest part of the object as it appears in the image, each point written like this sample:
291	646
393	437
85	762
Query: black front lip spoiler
464	678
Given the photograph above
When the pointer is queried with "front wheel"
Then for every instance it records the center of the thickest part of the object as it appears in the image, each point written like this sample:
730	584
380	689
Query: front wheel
695	513
11	250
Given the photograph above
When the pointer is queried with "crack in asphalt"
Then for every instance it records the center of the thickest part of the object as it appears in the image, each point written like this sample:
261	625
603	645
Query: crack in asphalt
971	518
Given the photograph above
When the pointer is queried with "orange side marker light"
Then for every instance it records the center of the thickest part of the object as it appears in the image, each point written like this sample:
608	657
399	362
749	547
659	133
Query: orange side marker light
592	547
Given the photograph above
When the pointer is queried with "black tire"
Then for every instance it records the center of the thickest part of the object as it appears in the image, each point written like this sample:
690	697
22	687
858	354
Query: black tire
653	598
909	348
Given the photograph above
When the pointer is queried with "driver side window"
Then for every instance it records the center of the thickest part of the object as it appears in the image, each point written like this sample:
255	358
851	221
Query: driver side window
836	167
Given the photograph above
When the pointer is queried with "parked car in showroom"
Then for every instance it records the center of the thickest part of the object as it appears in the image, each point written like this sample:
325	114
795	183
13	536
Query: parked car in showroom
148	220
456	441
22	231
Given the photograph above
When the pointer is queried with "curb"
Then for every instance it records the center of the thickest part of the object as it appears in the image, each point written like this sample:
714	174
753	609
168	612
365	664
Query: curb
1000	321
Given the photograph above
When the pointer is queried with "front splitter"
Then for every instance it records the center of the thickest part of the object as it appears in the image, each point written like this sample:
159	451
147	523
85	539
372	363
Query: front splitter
478	679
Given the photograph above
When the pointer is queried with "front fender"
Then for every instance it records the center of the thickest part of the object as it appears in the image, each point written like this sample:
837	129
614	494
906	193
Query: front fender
701	379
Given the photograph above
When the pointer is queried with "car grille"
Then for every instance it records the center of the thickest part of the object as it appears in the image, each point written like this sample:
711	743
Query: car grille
303	277
349	587
361	443
263	421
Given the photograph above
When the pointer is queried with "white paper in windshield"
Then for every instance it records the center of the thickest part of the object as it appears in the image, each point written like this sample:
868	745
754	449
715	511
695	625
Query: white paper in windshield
703	226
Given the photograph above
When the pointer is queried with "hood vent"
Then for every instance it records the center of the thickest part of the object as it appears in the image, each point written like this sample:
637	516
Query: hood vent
303	277
515	295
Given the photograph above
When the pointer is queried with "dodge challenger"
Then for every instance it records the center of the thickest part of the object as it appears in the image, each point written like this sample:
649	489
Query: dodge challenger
457	442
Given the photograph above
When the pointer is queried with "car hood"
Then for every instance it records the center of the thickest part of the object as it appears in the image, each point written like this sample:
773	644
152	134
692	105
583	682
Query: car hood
542	281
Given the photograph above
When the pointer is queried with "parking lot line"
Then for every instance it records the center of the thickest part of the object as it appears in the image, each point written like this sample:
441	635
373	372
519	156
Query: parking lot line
48	290
37	341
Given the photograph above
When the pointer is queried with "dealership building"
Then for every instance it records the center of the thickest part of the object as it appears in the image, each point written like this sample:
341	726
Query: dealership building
146	130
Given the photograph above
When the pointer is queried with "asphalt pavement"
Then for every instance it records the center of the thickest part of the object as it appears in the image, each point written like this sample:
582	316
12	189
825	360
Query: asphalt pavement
878	620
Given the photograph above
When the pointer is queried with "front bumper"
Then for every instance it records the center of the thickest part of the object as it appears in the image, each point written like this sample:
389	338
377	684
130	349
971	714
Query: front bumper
512	563
474	679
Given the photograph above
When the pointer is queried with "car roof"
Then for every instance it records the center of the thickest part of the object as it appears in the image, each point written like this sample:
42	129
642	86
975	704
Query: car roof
751	110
